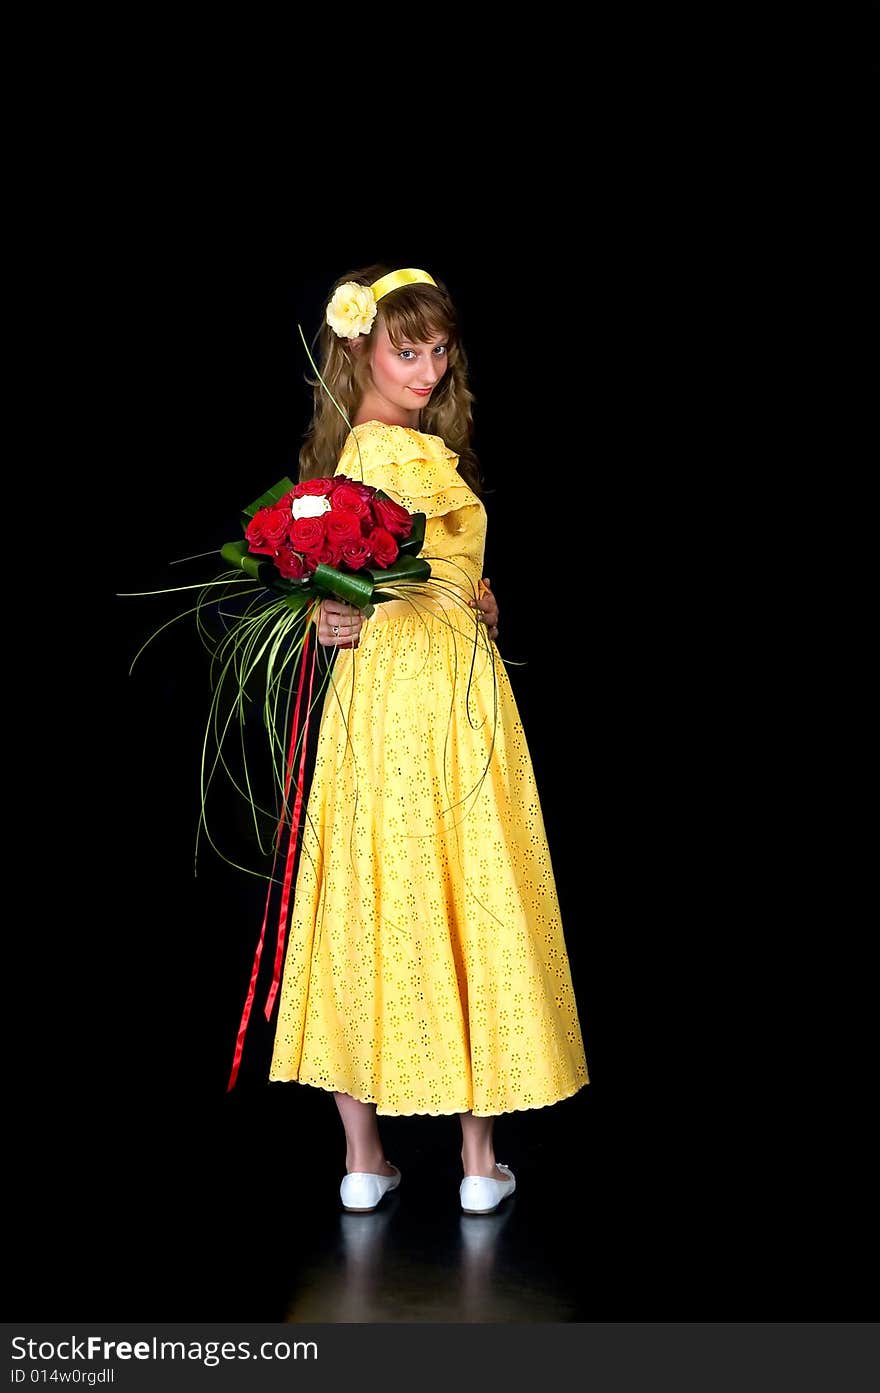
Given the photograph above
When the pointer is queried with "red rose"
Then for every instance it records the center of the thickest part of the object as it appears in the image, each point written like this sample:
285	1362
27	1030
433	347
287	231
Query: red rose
383	547
366	491
349	496
356	553
392	516
342	526
275	523
314	488
289	564
307	535
256	540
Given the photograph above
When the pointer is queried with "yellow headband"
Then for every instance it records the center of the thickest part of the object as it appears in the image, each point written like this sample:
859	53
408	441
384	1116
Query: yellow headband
394	279
352	309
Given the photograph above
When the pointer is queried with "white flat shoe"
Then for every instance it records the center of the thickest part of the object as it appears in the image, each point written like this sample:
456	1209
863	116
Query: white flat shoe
482	1195
361	1192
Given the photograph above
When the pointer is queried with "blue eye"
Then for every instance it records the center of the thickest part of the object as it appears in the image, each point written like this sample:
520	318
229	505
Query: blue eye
439	348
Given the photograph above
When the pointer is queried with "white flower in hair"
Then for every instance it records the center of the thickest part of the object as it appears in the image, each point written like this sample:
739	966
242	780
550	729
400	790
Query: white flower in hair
352	310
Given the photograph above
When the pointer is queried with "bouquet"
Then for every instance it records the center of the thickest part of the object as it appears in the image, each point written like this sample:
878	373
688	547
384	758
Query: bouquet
333	536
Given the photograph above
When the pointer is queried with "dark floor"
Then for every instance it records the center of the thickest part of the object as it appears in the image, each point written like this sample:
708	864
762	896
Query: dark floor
229	1211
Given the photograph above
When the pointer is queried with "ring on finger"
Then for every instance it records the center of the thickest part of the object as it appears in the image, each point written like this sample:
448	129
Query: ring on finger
334	629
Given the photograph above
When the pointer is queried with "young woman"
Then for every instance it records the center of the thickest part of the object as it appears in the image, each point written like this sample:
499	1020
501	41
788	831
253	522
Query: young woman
426	968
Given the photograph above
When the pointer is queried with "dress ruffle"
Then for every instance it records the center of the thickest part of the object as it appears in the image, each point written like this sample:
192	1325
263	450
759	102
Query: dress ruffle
415	469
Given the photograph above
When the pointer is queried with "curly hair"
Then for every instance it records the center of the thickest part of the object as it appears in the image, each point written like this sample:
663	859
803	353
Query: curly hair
412	312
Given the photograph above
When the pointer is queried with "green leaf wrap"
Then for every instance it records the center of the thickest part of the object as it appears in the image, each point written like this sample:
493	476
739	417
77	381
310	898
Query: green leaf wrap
405	568
267	499
354	587
416	539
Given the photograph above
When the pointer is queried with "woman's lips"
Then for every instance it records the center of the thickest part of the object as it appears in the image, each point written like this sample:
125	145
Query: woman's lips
422	391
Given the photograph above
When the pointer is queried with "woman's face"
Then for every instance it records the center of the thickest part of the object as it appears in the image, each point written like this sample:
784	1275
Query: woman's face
406	376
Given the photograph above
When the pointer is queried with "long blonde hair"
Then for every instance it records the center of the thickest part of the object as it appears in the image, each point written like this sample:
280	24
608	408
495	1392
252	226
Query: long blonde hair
414	312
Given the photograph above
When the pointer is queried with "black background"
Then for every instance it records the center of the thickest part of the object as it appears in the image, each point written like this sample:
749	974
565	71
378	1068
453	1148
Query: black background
130	971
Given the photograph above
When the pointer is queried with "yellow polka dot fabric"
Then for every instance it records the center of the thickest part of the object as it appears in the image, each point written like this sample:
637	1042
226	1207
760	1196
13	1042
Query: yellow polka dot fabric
426	968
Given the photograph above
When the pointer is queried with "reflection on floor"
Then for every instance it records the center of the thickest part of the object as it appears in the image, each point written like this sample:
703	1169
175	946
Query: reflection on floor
388	1267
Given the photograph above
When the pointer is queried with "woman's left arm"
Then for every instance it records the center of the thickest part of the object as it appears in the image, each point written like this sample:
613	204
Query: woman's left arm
487	608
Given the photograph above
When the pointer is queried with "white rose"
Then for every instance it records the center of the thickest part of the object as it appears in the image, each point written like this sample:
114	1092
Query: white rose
352	310
310	505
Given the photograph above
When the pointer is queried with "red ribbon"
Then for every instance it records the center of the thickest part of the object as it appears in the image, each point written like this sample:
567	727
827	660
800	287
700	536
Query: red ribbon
288	870
294	829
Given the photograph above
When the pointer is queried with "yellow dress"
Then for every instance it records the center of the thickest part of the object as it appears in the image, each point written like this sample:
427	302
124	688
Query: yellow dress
426	968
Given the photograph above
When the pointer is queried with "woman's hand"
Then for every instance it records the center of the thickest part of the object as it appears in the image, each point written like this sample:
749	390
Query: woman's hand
339	624
487	608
